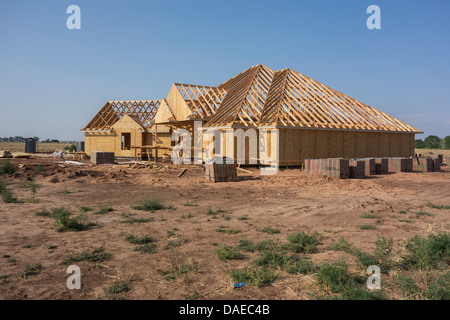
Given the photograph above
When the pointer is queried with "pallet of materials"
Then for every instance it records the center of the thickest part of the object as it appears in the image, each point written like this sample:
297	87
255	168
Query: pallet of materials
336	168
369	166
381	166
100	157
224	172
437	164
357	168
400	165
422	164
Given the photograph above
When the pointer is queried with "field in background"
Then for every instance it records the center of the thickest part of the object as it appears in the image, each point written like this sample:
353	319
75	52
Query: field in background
45	147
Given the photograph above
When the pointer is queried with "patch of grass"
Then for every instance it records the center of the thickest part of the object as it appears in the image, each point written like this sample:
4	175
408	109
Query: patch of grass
176	240
243	218
423	213
137	220
368	216
39	168
407	286
146	248
405	221
427	253
84	209
31	270
368	227
212	212
65	222
258	277
11	260
27	246
437	206
439	289
44	213
6	256
105	209
7	197
151	204
190	205
403	212
4	278
226	252
342	245
95	256
34	187
116	291
139	240
178	270
7	168
303	242
269	230
357	293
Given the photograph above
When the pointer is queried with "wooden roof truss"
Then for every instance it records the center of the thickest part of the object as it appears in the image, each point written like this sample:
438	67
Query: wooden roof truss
142	111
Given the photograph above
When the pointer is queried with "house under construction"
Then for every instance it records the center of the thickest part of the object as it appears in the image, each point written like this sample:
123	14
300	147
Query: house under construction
312	120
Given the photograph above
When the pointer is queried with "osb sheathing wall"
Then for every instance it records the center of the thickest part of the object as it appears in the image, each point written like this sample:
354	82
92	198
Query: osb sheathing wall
298	144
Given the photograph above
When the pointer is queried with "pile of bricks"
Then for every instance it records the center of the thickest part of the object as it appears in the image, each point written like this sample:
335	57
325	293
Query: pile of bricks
337	168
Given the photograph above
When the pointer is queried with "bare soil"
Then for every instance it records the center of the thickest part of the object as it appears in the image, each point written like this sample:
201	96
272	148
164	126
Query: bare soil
288	201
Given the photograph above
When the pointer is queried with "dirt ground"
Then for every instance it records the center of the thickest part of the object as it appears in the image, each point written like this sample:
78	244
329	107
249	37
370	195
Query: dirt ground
288	201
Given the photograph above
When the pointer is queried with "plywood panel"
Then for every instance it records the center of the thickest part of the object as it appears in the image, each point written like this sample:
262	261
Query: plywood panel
177	104
384	144
322	144
349	144
373	144
307	141
395	145
361	145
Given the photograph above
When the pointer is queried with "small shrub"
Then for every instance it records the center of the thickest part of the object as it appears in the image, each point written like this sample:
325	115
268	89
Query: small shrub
84	209
439	289
44	213
64	221
7	197
436	206
334	276
357	293
226	252
407	286
257	277
31	270
146	248
178	270
151	204
7	168
34	187
342	245
269	230
303	242
430	252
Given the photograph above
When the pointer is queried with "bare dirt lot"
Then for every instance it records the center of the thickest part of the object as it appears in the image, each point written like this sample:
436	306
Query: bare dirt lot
198	218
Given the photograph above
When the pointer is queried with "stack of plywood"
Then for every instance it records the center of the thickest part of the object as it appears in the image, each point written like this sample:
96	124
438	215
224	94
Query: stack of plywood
423	164
337	168
369	166
437	164
100	157
224	172
357	168
381	165
400	164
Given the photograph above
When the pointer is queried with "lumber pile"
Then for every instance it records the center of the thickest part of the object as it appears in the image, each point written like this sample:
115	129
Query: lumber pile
100	157
357	168
5	154
224	172
369	166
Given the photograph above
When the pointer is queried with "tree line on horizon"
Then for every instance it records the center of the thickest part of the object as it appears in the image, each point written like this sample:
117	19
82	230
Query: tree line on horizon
22	139
433	142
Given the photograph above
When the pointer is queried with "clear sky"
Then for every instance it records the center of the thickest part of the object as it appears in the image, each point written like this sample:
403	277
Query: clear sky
54	80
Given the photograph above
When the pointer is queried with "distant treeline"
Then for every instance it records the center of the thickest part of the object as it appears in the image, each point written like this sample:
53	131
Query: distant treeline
433	142
22	139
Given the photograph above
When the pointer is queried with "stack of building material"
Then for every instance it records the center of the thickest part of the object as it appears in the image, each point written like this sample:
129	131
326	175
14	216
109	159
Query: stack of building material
357	168
100	157
437	164
381	165
400	164
337	168
5	154
224	172
369	166
423	164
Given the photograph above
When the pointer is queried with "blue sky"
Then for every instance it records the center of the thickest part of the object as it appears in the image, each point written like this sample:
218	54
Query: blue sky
54	80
